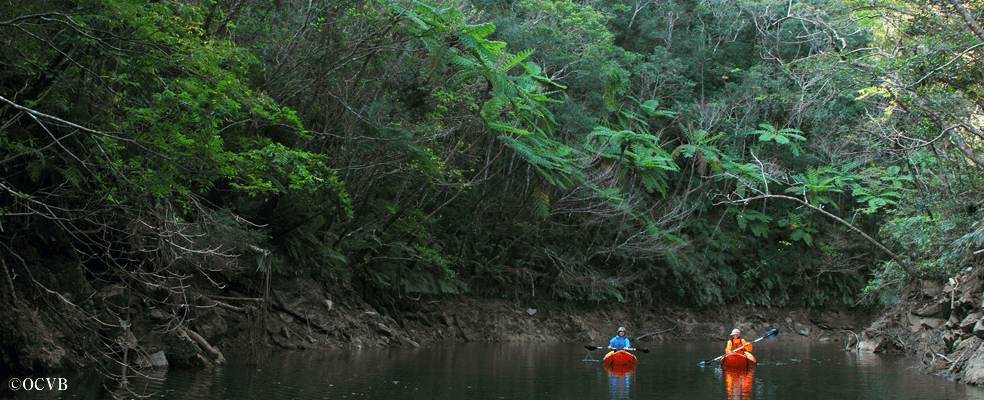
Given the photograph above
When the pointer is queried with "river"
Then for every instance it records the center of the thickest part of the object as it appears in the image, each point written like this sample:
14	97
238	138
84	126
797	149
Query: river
560	371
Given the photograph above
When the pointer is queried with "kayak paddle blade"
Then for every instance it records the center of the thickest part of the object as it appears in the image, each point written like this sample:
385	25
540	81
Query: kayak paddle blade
772	333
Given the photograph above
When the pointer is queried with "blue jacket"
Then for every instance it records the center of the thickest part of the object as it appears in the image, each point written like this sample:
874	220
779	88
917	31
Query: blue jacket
619	342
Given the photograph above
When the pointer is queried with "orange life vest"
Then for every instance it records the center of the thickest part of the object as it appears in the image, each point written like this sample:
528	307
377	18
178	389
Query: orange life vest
734	344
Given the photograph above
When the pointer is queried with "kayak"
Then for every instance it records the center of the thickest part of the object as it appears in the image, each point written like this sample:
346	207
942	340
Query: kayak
738	360
620	357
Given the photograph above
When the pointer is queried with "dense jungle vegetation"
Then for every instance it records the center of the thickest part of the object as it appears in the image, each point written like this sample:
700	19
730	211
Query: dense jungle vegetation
689	152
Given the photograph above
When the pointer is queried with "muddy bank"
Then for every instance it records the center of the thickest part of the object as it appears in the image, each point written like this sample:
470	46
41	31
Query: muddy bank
303	313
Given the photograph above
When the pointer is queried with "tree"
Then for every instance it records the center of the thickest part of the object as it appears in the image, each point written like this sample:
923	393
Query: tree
129	136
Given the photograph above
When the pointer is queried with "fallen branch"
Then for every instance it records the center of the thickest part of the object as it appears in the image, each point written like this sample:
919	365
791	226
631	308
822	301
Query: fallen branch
957	361
655	333
216	303
194	336
229	306
235	298
10	281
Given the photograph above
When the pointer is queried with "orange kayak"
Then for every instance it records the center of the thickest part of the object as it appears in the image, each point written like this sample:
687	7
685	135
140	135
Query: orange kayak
620	357
738	360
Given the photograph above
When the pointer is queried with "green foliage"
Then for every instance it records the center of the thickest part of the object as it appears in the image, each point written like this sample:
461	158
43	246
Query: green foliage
801	228
780	136
817	186
929	242
573	41
601	151
516	105
633	146
843	288
756	221
173	115
699	148
883	193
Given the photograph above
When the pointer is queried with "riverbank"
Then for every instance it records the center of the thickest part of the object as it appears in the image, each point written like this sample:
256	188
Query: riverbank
305	314
940	325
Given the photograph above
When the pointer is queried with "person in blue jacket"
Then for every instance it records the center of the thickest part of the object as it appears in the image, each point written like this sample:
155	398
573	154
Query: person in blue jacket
619	342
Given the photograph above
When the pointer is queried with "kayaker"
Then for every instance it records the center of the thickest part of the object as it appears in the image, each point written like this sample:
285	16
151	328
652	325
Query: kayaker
619	342
736	342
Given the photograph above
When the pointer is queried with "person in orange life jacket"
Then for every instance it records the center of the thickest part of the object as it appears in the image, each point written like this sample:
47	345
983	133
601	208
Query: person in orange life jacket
737	342
619	342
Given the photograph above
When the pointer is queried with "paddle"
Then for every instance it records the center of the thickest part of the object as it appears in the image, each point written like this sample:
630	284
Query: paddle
592	348
769	334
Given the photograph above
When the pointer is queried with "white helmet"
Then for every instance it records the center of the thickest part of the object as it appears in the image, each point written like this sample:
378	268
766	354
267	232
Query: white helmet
735	332
621	329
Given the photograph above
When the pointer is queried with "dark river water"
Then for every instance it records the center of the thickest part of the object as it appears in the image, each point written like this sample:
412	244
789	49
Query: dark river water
491	371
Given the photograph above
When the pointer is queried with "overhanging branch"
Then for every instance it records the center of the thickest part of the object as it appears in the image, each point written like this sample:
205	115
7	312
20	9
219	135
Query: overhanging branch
905	266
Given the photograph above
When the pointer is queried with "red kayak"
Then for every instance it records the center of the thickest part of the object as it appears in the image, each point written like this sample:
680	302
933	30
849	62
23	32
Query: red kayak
738	360
620	357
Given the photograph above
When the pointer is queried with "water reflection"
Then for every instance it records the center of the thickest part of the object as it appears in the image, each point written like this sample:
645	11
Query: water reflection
738	382
541	371
144	383
866	359
620	379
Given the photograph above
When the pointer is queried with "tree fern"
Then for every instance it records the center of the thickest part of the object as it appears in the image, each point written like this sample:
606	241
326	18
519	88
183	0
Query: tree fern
780	136
816	186
699	148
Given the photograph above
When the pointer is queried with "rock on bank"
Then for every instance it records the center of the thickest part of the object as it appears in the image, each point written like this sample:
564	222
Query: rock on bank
942	326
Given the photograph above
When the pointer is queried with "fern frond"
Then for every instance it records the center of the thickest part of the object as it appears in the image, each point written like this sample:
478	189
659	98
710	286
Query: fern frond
679	150
505	127
479	31
654	182
525	151
465	62
540	204
35	169
515	60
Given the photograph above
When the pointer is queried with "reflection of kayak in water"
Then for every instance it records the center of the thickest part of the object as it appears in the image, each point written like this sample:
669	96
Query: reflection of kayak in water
620	379
738	381
738	360
620	357
620	369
